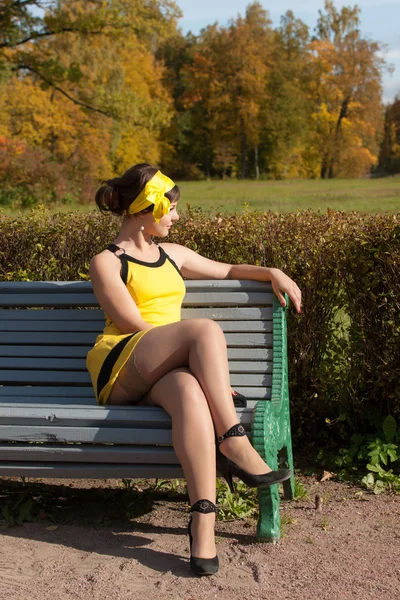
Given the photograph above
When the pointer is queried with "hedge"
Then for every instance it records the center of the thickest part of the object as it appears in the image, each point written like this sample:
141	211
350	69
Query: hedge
344	348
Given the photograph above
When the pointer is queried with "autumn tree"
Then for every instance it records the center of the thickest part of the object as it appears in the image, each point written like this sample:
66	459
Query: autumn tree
188	76
23	33
81	82
243	52
346	92
223	86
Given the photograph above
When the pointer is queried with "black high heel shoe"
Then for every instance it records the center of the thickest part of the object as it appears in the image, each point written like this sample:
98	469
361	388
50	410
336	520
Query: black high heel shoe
202	566
227	468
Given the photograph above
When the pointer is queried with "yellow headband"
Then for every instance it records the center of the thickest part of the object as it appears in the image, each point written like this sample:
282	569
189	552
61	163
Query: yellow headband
153	193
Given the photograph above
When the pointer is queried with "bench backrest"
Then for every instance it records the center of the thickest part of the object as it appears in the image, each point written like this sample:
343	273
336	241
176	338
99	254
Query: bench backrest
47	328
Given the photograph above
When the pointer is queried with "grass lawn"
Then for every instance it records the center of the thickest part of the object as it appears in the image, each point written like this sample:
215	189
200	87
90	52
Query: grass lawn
363	195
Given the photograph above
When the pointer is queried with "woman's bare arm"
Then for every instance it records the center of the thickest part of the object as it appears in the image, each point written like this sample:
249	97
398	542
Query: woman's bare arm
195	266
112	295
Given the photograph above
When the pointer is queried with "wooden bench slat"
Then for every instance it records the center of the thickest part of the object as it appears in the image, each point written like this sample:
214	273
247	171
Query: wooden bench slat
81	352
90	471
49	391
39	299
71	364
84	395
97	326
88	453
48	338
96	314
55	326
70	378
49	400
121	416
87	300
51	314
86	435
72	287
93	417
87	339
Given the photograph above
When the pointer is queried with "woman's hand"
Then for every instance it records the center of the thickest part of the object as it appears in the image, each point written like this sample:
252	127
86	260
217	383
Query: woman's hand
282	284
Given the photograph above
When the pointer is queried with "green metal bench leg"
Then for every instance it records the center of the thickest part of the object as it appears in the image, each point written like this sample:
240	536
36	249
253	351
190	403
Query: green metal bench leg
269	520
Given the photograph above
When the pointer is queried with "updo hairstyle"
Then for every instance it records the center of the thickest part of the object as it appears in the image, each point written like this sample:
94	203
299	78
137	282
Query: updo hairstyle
116	195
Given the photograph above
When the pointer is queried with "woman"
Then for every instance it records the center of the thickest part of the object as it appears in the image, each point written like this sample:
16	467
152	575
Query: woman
147	355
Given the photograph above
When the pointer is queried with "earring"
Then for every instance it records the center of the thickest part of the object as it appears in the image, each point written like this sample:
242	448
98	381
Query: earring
142	228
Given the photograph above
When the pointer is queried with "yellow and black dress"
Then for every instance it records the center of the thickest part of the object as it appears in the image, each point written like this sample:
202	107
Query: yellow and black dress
157	289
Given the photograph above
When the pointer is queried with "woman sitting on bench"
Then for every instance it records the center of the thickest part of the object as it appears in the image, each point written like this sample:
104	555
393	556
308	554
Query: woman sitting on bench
147	355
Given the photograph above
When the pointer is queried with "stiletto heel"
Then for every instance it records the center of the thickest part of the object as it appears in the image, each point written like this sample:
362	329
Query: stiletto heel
229	480
227	468
225	474
202	566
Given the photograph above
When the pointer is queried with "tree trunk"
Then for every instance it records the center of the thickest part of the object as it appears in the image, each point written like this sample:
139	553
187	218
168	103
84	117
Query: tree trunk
243	149
53	137
207	161
335	156
256	165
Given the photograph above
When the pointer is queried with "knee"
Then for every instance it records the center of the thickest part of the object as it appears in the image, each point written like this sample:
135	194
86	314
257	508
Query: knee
189	389
206	328
188	394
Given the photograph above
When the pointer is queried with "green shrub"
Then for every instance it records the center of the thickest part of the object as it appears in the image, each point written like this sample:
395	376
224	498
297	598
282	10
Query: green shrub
343	349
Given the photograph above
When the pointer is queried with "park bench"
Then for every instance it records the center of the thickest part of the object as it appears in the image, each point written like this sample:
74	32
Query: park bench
51	426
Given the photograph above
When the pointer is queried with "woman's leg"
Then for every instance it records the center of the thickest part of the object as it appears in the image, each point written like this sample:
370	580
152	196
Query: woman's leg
193	437
200	345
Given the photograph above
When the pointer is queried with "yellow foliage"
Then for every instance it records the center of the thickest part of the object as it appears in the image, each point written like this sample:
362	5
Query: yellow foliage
356	162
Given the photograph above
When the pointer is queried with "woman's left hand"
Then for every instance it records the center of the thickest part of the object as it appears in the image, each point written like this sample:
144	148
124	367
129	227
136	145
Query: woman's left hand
282	284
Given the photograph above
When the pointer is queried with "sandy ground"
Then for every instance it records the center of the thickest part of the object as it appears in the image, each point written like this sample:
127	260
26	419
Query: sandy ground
94	540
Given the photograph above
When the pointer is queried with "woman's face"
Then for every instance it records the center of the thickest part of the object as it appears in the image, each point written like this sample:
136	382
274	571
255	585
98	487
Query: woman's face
162	228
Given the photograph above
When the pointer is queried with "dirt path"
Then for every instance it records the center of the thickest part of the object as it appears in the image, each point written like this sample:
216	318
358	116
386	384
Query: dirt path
114	544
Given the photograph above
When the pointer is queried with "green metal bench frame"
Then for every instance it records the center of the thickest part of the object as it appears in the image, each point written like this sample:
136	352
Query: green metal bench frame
51	426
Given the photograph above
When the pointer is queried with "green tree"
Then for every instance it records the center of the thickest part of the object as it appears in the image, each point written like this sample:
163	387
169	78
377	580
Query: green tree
389	158
286	112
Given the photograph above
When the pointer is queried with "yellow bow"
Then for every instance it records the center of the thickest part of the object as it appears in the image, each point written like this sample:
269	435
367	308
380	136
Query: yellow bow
153	193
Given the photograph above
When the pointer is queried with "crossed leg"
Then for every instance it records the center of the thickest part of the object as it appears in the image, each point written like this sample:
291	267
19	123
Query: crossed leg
198	344
186	363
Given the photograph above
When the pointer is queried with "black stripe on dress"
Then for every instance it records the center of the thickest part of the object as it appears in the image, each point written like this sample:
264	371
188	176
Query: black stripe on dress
109	362
173	263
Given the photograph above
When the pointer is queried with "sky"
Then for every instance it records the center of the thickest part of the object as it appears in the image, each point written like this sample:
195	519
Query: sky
379	21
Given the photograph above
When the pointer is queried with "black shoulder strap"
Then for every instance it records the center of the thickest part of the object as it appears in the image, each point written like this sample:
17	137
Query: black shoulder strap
124	263
173	263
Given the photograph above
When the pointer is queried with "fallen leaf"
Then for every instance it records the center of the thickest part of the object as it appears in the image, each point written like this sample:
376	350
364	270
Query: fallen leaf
52	527
327	475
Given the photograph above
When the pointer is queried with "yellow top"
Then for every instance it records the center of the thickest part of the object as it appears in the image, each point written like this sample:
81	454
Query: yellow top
158	290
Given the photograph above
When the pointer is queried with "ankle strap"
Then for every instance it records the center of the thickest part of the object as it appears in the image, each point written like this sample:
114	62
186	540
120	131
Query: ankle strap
235	431
204	506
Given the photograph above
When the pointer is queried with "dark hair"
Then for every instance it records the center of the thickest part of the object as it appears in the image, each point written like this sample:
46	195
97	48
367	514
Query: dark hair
118	194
